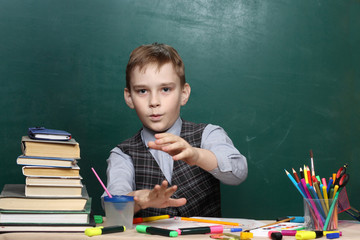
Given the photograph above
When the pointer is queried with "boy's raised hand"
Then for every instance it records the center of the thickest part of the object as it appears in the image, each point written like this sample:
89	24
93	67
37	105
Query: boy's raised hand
180	149
175	146
158	197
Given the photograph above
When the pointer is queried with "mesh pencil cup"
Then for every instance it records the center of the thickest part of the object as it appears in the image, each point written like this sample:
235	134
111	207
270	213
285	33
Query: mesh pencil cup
320	213
119	210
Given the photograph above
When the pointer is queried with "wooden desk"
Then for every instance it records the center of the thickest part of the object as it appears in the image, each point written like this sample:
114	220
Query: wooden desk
350	230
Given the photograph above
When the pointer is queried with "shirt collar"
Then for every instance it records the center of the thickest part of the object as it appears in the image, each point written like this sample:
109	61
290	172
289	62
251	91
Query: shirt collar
148	135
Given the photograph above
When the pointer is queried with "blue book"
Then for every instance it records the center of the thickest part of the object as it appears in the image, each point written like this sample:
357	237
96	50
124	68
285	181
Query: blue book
42	133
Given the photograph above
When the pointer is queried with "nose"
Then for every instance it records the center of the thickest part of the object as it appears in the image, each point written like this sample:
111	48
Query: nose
154	100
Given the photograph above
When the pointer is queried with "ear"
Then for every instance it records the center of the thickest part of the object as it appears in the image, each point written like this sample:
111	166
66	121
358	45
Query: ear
185	94
128	99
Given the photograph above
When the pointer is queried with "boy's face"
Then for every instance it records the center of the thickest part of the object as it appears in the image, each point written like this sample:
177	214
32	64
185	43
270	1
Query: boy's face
156	95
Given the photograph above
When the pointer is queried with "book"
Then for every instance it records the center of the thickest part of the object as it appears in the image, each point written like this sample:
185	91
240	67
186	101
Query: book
34	171
47	148
36	227
48	134
53	191
47	217
45	161
13	197
53	181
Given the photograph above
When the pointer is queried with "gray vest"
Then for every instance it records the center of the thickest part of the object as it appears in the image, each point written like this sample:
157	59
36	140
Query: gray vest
200	188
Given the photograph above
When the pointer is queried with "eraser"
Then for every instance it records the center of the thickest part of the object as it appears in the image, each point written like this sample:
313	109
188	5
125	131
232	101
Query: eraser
332	235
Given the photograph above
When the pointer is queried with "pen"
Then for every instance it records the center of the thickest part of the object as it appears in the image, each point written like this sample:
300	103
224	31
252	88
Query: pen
103	230
156	231
201	230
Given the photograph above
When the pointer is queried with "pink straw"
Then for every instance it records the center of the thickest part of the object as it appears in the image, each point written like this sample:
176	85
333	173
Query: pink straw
102	184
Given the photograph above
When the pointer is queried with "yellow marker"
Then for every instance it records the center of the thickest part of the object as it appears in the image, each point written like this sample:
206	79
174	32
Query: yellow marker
336	188
103	230
308	234
325	198
306	175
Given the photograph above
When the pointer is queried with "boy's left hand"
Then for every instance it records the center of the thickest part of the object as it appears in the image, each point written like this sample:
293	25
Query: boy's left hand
175	146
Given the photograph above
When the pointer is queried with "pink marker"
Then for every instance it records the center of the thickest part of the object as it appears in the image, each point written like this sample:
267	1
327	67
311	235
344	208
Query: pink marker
324	182
288	232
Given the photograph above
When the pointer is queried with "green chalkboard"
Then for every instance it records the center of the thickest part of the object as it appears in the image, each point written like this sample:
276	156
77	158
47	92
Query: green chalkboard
281	77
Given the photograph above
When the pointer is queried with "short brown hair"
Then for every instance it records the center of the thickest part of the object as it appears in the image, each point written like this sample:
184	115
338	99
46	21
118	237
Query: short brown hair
157	53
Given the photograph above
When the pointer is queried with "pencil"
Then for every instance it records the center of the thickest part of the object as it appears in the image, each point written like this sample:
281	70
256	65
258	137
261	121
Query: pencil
309	175
312	163
306	175
301	173
209	221
296	176
284	220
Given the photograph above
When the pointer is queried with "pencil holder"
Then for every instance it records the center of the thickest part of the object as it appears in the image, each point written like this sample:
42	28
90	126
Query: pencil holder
320	214
119	210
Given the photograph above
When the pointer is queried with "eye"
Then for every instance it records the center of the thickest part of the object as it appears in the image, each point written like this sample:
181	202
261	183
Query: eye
166	89
141	91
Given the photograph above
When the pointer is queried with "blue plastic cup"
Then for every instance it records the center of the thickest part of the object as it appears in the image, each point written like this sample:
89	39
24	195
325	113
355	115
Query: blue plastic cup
119	210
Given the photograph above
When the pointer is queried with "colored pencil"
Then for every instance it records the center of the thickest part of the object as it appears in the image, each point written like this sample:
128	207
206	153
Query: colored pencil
296	176
209	221
306	175
295	184
149	219
284	220
309	175
312	163
301	173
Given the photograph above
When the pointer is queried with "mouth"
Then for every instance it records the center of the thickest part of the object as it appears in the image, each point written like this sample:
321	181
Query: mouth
155	117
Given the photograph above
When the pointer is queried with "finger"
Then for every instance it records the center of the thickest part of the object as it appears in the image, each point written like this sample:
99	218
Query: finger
164	185
182	155
162	135
154	192
174	147
176	202
168	139
153	145
170	191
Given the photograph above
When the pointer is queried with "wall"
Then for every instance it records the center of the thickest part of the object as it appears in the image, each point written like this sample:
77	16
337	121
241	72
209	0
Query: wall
280	77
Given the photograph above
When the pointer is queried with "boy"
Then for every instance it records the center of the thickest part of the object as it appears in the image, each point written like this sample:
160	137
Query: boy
170	166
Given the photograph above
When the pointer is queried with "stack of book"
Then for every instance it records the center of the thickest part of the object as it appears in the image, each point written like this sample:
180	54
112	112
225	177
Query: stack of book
53	197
